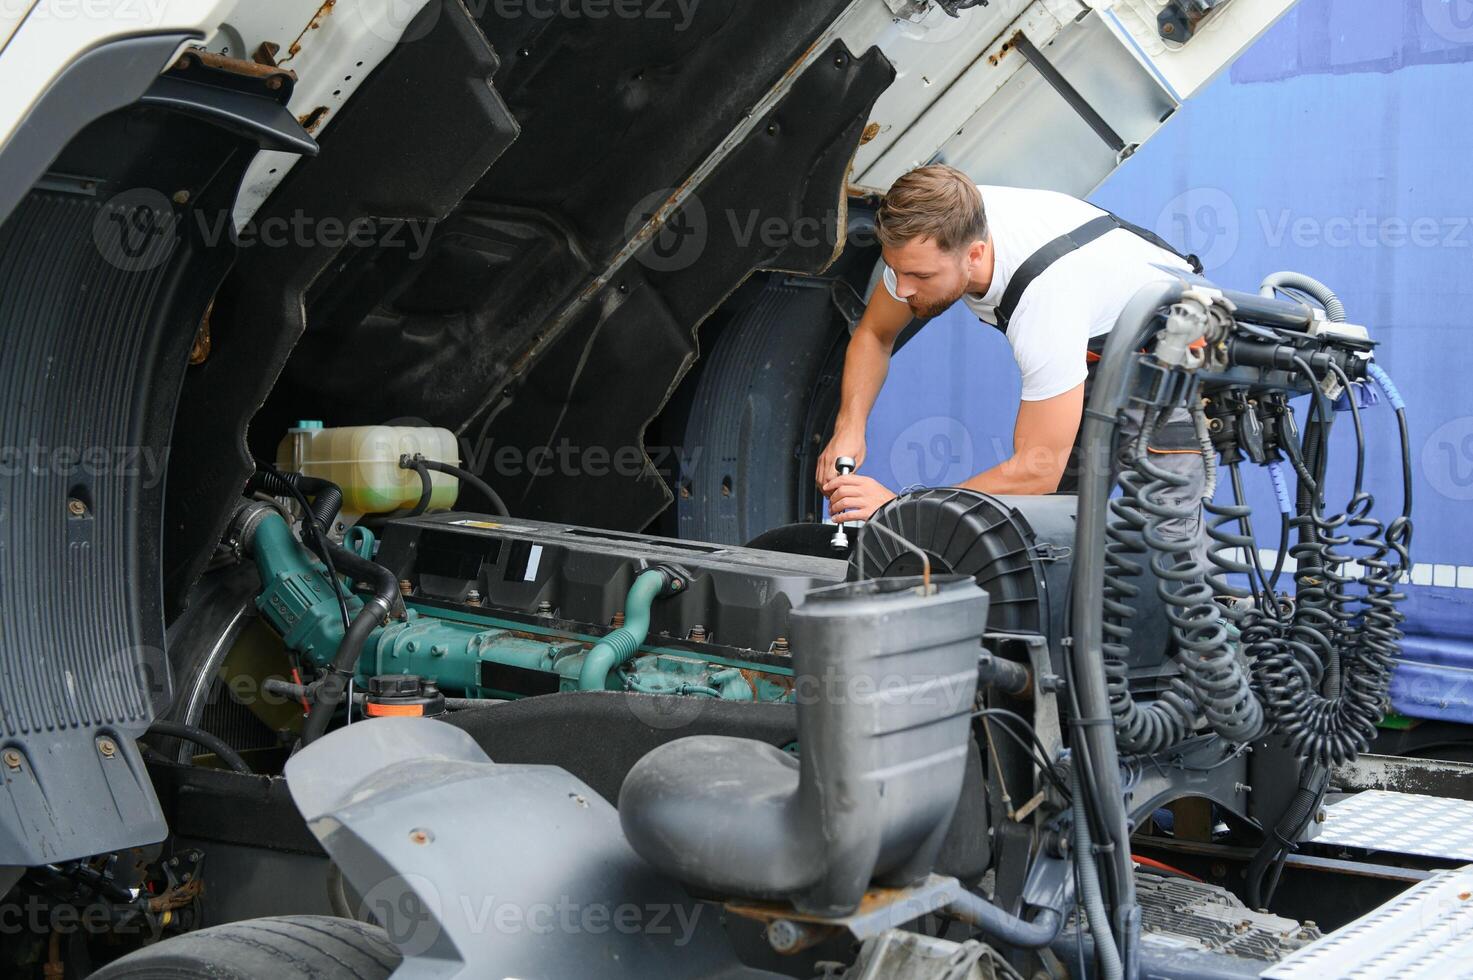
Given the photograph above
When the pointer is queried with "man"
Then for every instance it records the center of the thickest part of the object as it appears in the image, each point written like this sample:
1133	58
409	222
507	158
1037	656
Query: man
1051	271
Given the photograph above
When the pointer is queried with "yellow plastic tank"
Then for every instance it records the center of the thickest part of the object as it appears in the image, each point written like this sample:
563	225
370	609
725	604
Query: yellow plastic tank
364	461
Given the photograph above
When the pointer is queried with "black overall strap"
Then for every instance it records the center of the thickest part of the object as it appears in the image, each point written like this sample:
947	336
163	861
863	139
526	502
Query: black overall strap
1035	264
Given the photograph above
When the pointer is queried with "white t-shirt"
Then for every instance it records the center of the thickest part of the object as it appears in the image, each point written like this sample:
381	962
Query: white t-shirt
1078	297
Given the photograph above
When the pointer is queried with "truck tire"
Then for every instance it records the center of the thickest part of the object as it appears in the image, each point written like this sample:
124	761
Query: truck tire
287	947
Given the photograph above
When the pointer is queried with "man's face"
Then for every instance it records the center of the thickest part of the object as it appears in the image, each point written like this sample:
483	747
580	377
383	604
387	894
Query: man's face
927	278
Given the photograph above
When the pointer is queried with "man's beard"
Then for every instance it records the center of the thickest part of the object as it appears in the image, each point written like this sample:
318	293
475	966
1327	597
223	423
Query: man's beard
934	308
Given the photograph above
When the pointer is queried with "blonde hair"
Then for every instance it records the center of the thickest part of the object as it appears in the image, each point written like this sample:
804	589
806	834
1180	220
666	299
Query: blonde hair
936	202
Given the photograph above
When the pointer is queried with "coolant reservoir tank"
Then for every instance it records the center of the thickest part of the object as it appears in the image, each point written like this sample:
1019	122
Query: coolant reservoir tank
364	461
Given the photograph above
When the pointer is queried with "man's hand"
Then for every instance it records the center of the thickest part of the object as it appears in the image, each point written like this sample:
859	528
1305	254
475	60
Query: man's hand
855	498
842	444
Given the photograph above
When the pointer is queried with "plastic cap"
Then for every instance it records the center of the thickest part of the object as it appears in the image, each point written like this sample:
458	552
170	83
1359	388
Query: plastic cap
309	424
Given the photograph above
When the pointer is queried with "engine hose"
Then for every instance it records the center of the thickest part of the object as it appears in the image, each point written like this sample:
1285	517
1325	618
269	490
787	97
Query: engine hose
1263	870
334	683
624	642
1160	724
1106	955
1322	294
1012	930
426	491
498	506
1207	653
202	738
327	497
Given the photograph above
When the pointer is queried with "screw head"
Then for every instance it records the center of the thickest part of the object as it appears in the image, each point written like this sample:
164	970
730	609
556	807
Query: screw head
75	507
421	836
12	758
107	747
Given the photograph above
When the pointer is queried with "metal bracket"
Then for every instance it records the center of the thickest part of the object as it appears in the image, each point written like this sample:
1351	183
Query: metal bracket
790	931
1179	19
1070	94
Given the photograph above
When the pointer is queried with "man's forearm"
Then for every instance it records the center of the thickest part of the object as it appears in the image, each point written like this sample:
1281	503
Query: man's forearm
866	364
1019	476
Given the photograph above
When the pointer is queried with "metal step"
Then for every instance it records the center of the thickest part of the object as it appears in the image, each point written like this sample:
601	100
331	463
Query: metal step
1401	823
1427	931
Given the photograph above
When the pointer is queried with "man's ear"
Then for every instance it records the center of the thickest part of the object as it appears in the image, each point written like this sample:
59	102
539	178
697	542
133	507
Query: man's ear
977	252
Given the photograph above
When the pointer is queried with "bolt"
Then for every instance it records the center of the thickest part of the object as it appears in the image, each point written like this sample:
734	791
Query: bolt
544	608
1219	870
780	645
1322	816
406	587
618	620
107	747
698	633
784	936
473	598
274	83
75	507
1168	28
420	836
12	758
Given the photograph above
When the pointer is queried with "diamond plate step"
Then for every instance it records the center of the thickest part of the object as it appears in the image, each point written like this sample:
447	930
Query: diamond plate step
1401	823
1426	932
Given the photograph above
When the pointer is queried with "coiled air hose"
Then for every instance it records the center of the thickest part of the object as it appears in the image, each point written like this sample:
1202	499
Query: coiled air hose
1207	653
1158	725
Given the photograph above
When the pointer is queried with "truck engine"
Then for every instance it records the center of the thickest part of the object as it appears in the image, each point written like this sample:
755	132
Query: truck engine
1124	677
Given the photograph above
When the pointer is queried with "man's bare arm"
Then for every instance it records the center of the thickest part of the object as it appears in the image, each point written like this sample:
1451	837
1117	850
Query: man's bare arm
1042	441
866	363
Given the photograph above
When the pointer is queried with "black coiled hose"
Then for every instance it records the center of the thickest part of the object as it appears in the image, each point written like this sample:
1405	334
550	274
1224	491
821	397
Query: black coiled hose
1158	725
1207	653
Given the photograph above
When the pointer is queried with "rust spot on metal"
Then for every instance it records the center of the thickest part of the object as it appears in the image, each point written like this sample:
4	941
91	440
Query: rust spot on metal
311	120
235	66
1002	52
870	132
266	53
199	351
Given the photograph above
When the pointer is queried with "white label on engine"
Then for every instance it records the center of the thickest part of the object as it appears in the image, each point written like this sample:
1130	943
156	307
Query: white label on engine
534	558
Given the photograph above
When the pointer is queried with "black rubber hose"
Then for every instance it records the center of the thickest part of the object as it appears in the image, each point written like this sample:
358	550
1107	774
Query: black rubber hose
498	506
386	599
334	684
202	738
327	497
1095	731
426	490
